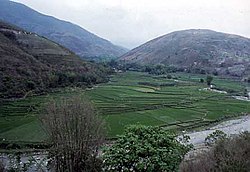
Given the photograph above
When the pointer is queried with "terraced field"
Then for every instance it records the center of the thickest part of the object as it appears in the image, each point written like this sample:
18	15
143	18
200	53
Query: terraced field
180	103
134	98
18	119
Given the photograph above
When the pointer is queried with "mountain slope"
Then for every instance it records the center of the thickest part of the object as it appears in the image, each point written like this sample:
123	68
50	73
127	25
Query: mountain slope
196	48
75	38
30	62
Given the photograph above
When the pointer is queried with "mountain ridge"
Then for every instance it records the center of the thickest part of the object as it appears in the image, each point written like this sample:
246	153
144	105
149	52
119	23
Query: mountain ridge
72	36
196	48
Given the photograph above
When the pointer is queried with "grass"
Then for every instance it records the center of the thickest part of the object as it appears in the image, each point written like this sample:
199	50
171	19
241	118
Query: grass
134	98
19	119
127	100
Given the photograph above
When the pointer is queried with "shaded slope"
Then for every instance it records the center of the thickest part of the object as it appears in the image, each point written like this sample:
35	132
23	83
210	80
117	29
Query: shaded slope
30	62
75	38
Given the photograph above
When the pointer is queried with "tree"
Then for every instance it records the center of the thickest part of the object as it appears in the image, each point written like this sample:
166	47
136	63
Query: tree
209	80
169	76
246	94
113	63
214	137
248	79
75	133
145	148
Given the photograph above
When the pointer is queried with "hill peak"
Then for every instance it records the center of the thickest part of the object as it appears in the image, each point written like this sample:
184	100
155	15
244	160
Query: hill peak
196	48
72	36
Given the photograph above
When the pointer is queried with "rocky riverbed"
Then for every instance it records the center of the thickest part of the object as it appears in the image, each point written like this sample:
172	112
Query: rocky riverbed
230	127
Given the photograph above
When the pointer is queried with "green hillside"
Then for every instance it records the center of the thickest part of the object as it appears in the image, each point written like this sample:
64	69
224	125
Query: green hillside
30	62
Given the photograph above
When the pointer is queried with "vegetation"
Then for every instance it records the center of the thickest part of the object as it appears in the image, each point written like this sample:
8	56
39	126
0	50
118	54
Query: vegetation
160	69
144	148
209	80
227	155
19	119
39	110
71	36
181	104
132	98
151	69
215	137
31	64
75	133
184	53
247	79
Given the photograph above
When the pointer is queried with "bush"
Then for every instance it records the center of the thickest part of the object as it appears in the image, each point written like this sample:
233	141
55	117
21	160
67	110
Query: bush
227	155
145	148
209	80
215	137
75	133
169	76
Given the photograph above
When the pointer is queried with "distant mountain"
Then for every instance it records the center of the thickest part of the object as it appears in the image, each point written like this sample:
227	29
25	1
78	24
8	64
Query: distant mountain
196	49
73	37
30	62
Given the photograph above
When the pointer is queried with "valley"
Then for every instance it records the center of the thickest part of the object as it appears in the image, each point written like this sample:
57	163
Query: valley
124	86
129	98
179	105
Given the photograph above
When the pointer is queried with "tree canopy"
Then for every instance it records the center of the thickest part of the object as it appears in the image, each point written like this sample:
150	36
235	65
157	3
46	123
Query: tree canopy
209	80
145	148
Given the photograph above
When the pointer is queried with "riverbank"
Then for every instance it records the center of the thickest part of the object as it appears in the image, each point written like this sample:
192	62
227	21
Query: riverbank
230	127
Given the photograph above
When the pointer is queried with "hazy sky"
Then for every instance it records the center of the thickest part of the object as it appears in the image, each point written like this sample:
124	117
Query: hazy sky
130	23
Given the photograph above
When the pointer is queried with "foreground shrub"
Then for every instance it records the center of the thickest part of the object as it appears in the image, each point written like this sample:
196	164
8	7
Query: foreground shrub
144	148
75	132
227	155
216	136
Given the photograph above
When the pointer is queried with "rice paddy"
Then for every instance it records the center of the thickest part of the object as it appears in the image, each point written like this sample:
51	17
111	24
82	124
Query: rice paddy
134	98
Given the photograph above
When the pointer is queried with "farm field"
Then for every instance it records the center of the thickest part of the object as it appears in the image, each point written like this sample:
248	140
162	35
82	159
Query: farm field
134	98
19	121
179	103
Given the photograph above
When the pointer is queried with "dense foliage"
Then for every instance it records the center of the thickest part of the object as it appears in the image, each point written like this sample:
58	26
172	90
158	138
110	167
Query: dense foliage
151	69
209	80
156	69
32	63
145	148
